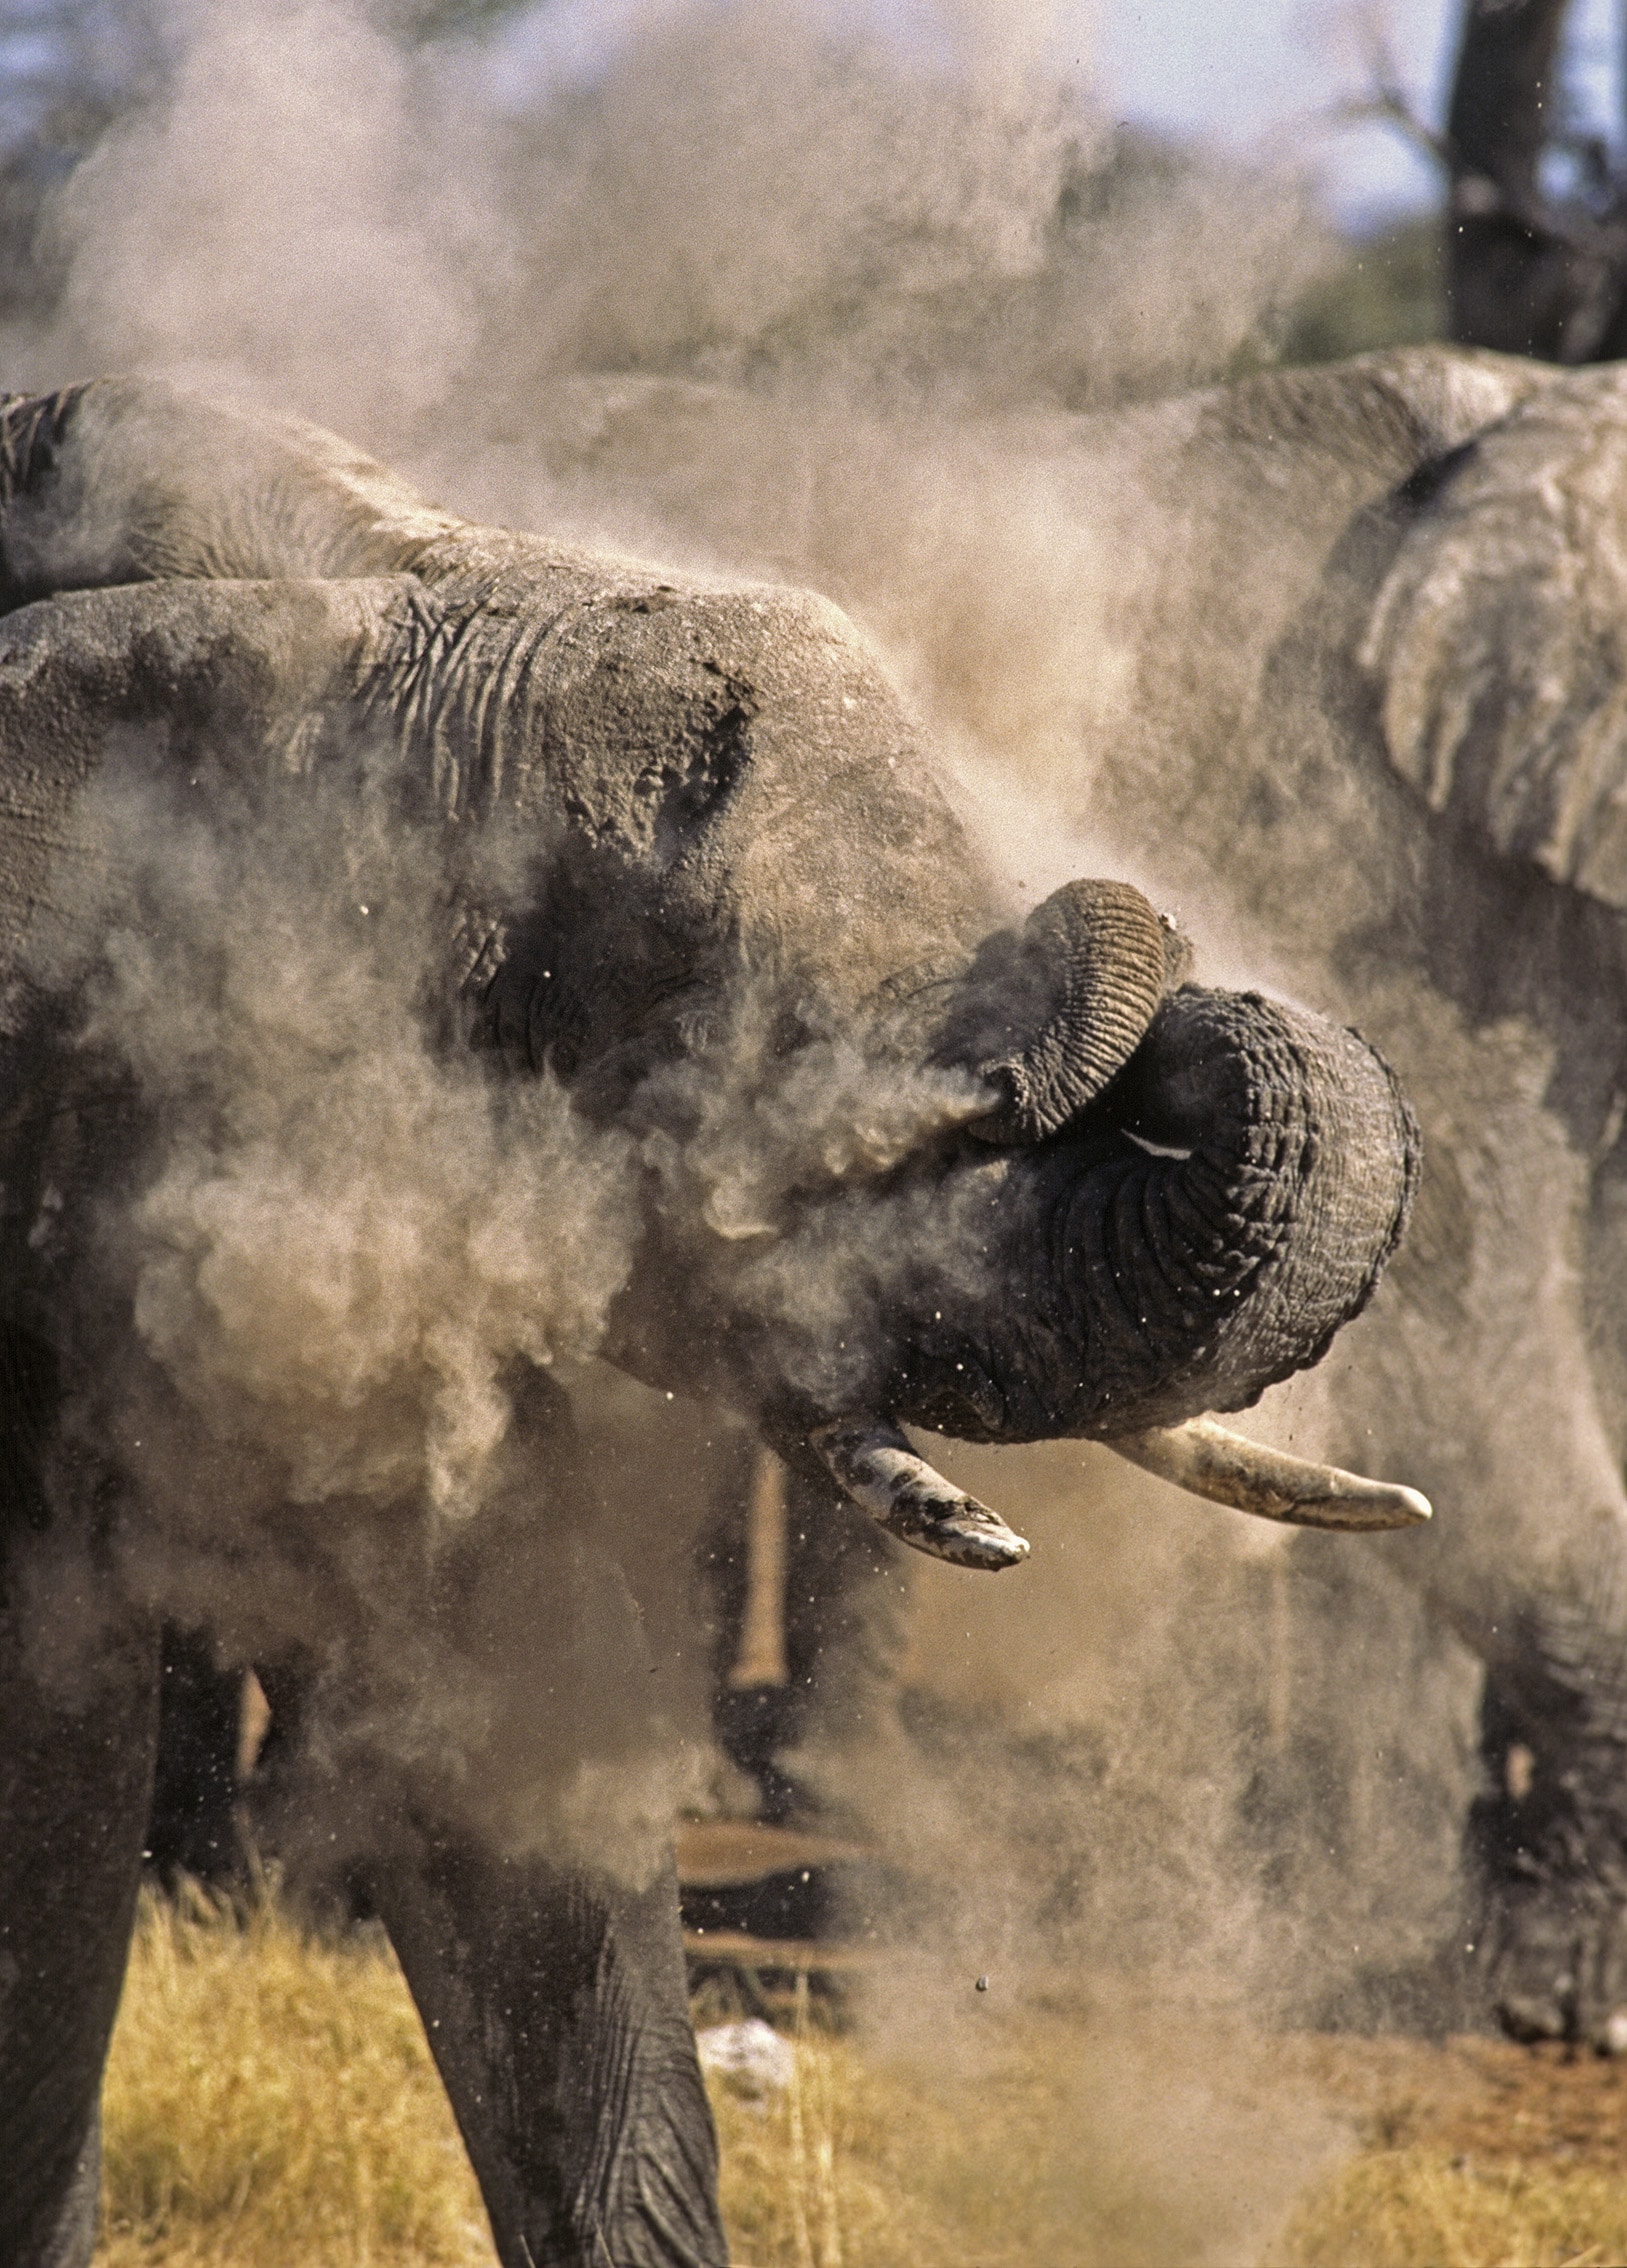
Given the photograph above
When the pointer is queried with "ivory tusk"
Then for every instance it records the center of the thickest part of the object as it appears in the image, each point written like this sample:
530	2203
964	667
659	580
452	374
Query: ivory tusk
1207	1459
872	1463
761	1661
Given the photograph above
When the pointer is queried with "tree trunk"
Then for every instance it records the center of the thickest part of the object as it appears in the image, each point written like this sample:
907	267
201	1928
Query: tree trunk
1526	273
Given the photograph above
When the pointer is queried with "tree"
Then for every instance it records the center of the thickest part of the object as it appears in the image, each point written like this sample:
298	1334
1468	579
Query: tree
1536	220
1528	269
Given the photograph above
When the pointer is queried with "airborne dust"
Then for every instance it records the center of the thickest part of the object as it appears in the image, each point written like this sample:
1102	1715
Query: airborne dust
767	289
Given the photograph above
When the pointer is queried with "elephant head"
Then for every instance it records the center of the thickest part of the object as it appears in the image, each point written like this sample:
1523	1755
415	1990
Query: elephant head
1005	1185
1146	1200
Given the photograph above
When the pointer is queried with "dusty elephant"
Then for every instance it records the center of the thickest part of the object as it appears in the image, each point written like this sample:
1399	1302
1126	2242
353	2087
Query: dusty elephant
677	942
1333	660
1404	581
1357	701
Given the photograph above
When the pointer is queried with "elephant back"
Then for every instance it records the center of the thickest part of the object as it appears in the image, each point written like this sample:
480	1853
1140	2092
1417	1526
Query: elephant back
126	480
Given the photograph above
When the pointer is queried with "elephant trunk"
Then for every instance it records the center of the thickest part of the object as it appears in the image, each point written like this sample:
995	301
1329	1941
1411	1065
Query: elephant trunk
1226	1177
1218	1261
1048	1017
1198	1236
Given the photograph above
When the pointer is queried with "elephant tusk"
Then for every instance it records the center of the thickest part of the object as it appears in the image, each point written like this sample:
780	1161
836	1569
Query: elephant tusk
871	1462
1207	1459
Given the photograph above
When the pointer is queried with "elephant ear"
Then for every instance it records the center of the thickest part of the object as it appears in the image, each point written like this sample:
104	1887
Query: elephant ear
1499	637
1049	1014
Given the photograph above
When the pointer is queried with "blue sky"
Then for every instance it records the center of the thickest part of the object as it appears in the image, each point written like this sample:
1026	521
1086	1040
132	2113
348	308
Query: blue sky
1247	71
1243	74
1244	71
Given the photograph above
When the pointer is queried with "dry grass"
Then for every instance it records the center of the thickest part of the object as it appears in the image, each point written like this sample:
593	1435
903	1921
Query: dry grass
1419	2209
1478	2155
271	2104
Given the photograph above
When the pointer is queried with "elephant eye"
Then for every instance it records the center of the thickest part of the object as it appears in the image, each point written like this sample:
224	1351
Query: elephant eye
1155	1149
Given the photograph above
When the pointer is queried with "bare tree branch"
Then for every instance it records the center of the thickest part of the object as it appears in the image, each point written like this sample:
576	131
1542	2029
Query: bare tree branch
1527	271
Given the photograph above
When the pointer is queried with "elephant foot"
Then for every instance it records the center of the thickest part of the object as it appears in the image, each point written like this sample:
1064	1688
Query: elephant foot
1552	1939
1559	1974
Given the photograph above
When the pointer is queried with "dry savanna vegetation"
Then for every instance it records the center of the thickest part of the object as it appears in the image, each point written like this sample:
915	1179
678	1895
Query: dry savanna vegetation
270	2103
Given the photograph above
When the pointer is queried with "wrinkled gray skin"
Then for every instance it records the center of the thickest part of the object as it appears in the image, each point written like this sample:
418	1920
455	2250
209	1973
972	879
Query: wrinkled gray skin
724	819
1342	658
1398	700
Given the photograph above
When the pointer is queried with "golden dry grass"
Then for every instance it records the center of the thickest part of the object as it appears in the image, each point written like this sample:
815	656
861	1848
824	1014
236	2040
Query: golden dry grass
1418	2208
270	2103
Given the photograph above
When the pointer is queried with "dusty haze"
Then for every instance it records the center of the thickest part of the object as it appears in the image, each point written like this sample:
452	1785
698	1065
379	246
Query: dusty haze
897	272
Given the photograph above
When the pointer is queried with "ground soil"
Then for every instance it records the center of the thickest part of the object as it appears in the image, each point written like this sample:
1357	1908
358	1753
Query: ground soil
1483	2101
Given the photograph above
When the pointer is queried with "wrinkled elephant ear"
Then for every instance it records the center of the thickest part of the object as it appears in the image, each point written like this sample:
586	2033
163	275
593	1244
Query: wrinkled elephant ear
1499	637
1046	1017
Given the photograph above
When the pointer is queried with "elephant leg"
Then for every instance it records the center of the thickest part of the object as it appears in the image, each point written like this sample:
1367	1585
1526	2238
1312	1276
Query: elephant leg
552	1988
555	2004
1544	1604
193	1828
76	1764
1546	1841
1548	1836
1548	1833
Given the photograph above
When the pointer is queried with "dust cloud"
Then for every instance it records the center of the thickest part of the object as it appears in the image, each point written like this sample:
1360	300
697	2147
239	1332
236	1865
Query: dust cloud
788	289
350	1235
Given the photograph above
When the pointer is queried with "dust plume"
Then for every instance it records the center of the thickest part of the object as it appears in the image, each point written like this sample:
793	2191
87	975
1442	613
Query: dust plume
352	1231
785	288
354	1260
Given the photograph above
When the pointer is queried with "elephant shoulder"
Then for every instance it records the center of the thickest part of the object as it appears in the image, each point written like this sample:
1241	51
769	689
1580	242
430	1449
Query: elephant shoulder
1498	637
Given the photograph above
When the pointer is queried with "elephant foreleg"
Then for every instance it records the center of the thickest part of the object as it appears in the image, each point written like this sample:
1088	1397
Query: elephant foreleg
555	2005
76	1762
1549	1834
551	1986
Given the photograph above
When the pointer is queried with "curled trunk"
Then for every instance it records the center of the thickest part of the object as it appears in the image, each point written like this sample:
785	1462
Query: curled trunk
1225	1270
1198	1236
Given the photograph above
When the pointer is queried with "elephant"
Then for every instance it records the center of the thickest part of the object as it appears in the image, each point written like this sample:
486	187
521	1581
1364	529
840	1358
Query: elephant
428	954
1332	659
1357	669
1397	709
